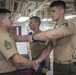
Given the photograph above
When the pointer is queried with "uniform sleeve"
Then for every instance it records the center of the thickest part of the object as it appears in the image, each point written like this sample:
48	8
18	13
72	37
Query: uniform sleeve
68	28
7	46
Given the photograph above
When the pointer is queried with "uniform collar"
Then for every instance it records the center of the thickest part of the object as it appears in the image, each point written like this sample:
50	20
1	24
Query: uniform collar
3	30
63	21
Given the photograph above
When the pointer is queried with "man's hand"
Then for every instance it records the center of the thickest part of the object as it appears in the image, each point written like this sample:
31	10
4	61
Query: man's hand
35	65
44	70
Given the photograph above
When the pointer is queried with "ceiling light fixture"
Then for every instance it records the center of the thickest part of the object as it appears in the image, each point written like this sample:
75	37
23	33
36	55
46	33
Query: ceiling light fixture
70	16
46	19
22	19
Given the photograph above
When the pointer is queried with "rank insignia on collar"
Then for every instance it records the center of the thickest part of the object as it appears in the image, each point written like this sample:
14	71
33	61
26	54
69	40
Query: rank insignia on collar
65	24
7	45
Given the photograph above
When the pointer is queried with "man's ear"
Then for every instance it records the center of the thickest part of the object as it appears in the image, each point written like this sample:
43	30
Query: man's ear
62	11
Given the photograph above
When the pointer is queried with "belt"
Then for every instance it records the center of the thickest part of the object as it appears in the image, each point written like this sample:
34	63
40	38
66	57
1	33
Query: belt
62	62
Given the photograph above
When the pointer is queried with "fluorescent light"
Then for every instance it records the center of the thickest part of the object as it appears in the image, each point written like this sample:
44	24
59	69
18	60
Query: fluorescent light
22	19
46	19
70	16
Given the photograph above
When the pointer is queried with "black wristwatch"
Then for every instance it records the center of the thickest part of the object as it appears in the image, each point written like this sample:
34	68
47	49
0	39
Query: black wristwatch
34	41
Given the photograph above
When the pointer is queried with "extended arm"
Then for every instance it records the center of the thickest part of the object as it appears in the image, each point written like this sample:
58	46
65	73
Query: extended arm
49	34
22	61
45	68
22	38
47	61
45	53
43	36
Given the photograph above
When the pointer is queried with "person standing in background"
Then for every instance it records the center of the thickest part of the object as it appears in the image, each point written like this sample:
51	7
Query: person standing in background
37	48
10	59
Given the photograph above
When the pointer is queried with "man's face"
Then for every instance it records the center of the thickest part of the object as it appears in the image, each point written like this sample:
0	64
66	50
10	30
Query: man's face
55	13
32	24
7	21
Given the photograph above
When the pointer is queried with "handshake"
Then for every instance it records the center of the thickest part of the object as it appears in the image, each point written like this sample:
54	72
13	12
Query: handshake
38	68
35	65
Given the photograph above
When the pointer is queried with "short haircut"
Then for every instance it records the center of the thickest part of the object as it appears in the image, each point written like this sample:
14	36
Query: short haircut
4	11
58	3
36	18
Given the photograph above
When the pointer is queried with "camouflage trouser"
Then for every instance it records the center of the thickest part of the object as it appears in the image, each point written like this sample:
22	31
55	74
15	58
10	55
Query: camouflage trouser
10	73
64	69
